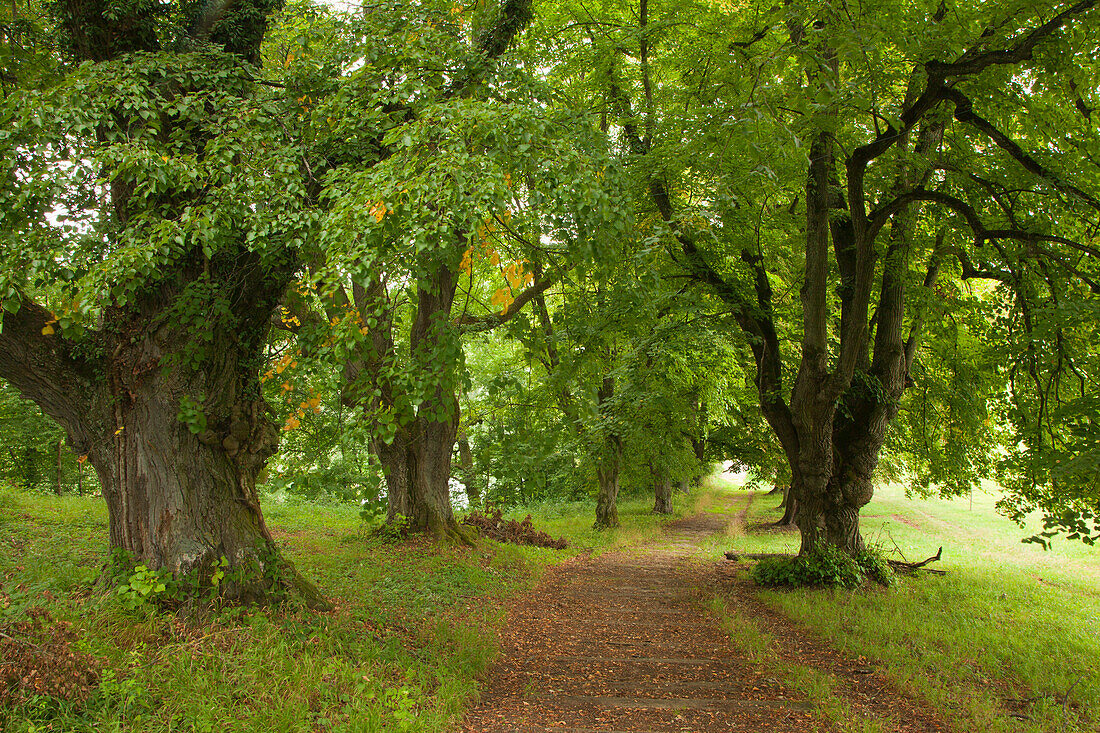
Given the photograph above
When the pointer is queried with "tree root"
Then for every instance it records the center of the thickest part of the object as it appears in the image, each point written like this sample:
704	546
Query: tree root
308	592
453	533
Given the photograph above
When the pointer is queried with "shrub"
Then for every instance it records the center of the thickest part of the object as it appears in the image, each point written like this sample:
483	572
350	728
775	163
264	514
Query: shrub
874	563
825	565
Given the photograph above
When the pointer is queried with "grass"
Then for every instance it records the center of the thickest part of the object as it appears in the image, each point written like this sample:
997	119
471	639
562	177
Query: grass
1008	640
414	625
759	648
574	519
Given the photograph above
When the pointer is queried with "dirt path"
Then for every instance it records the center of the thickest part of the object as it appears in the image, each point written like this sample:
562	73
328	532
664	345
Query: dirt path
621	643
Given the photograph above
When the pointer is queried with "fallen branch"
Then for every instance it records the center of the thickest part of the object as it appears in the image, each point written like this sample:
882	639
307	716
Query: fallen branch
912	567
731	555
1065	701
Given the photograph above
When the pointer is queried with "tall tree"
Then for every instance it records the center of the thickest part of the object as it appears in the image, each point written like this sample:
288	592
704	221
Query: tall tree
886	139
476	174
151	206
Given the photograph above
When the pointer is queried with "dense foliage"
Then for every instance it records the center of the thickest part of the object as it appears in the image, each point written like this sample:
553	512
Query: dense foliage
414	253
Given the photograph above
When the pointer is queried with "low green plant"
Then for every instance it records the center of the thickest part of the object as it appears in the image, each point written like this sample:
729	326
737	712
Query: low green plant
219	571
144	586
192	415
395	530
825	565
874	563
124	695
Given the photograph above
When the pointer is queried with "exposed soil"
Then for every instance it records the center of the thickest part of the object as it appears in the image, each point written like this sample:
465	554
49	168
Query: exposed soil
623	643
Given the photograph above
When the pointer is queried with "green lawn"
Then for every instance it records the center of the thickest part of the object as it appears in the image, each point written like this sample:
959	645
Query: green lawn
413	627
1010	628
996	644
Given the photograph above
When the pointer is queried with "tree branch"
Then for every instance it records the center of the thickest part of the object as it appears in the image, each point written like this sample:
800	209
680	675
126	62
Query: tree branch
37	365
964	112
471	324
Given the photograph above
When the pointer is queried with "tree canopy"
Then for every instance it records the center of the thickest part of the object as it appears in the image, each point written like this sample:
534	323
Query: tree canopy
574	245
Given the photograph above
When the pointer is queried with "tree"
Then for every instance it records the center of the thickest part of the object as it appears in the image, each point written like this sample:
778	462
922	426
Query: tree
477	175
152	207
871	130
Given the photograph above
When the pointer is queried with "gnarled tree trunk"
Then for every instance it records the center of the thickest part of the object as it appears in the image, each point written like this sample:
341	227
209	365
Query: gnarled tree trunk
417	461
180	493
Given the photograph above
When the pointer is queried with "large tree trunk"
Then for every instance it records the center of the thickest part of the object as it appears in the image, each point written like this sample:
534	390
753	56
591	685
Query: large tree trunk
180	496
813	398
417	461
871	403
417	466
609	464
182	501
395	467
607	474
790	508
662	493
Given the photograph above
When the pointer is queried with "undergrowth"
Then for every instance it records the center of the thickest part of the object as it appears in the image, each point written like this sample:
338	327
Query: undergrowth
825	565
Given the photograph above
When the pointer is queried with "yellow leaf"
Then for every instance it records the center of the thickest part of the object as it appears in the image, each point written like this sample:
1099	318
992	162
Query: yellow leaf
47	330
120	429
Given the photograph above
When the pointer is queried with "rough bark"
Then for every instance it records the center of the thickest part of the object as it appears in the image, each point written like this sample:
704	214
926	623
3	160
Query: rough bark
790	510
417	461
177	498
662	493
417	466
395	468
607	474
609	463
